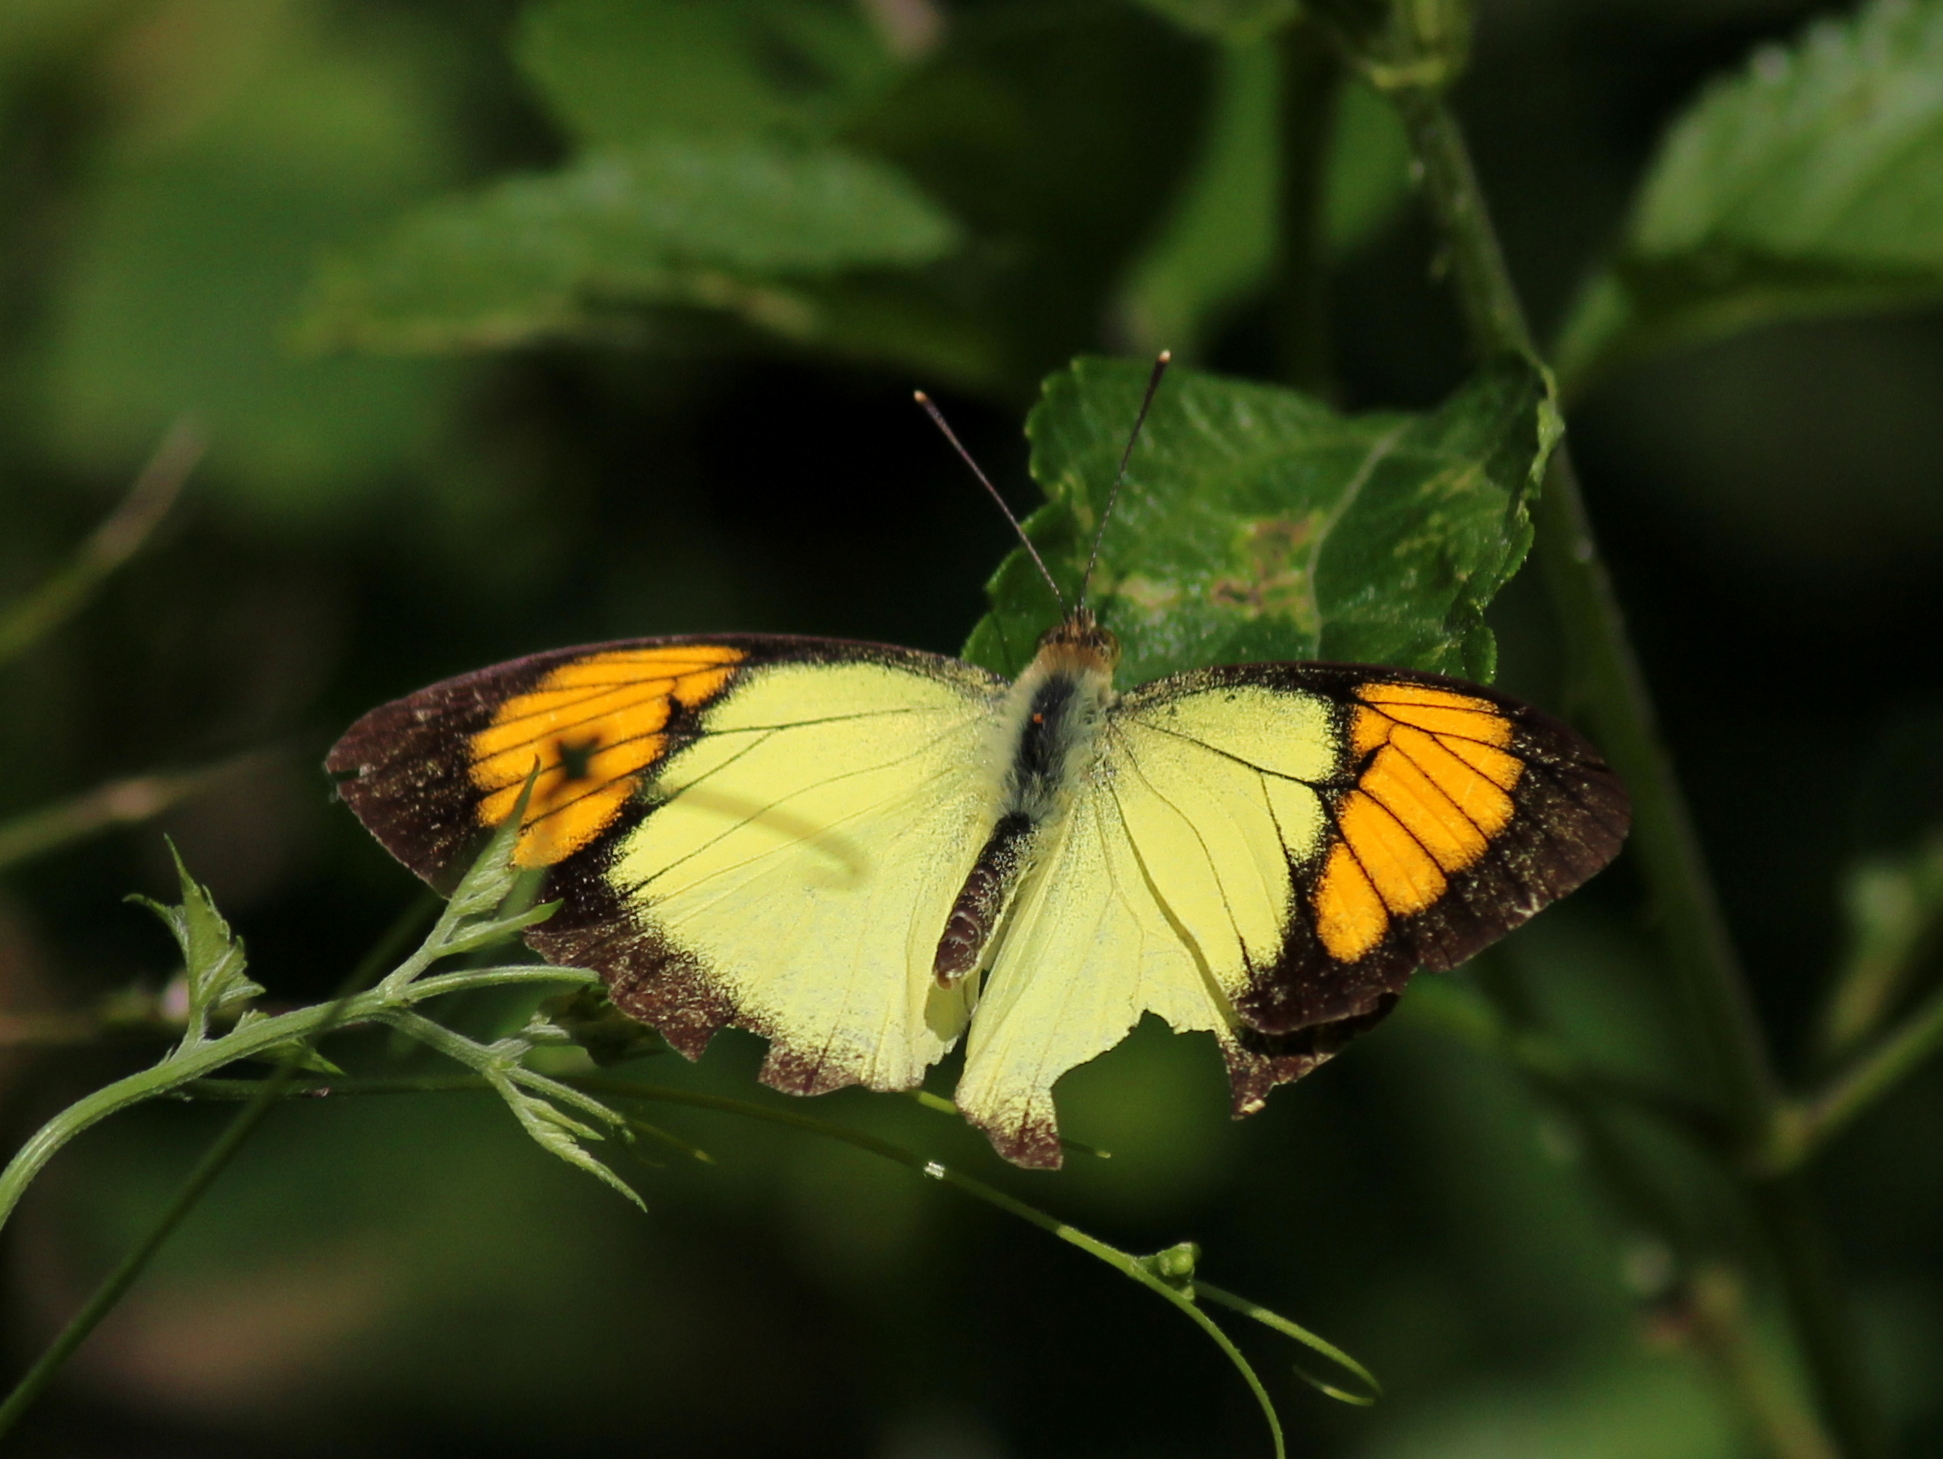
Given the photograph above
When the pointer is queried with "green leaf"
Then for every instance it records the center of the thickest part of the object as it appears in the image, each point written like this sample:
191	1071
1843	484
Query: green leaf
1257	524
1810	183
559	1134
619	72
212	956
721	224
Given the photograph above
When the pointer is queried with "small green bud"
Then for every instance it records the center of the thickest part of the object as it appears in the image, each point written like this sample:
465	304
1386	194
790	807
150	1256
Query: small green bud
1175	1266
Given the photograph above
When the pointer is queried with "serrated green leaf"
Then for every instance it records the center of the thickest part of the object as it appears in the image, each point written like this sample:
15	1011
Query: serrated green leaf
213	960
1257	524
559	1134
619	72
720	224
1810	183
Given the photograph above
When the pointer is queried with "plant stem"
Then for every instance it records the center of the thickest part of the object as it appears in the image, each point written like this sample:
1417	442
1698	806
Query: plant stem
118	803
1667	848
118	538
1181	1295
1802	1126
1309	82
263	1098
1723	1332
1595	631
246	1042
214	1159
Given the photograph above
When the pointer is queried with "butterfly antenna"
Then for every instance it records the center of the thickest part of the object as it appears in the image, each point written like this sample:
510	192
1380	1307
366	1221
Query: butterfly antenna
938	420
1161	362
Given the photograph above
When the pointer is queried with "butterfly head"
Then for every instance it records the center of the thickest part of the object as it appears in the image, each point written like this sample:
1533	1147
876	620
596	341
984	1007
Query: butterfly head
1079	642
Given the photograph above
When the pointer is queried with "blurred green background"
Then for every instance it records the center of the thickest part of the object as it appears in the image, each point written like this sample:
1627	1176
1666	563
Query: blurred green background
453	419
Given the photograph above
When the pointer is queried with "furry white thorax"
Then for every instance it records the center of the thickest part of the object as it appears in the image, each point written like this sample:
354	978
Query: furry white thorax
1052	732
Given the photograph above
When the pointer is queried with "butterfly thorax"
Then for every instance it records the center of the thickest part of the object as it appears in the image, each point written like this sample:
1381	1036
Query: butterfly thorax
1050	739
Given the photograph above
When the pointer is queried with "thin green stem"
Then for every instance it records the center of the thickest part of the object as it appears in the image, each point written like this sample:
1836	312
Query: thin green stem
131	1266
1665	845
214	1160
143	1085
118	803
1802	1126
245	1042
1664	840
1221	1297
1133	1267
1725	1334
118	538
1125	1263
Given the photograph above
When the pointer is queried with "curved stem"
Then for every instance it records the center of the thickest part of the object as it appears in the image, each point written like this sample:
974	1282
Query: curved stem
146	1084
1802	1126
1181	1295
1665	844
118	538
245	1042
131	1266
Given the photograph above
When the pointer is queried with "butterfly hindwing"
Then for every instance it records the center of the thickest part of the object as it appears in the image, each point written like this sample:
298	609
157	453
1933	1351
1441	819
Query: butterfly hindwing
758	831
1267	852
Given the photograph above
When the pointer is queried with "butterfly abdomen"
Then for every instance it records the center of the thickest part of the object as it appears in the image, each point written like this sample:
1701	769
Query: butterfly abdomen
983	897
1051	741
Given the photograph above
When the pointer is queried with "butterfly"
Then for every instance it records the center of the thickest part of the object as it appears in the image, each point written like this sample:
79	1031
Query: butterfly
865	853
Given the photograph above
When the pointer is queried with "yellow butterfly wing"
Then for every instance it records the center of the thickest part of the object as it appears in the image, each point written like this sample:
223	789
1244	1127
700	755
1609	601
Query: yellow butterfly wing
1267	852
750	831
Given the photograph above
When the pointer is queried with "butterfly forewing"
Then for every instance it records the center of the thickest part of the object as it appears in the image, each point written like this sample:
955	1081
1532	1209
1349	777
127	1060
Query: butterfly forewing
763	832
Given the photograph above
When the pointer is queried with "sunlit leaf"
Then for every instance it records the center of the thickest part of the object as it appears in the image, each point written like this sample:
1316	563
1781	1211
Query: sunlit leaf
1258	524
620	72
1809	183
722	224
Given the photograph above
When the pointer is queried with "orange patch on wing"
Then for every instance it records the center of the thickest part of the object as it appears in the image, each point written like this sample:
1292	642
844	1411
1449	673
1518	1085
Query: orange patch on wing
1482	799
1421	805
1397	865
1496	766
593	725
1368	728
1350	917
1435	789
1440	711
